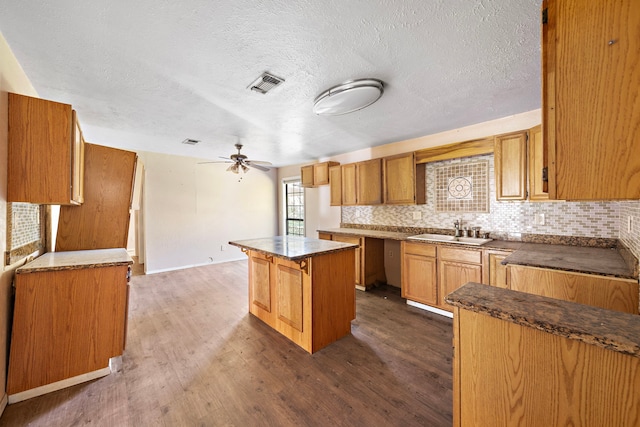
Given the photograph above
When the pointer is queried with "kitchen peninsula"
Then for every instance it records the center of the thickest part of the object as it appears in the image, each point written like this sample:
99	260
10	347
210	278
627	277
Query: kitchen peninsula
302	287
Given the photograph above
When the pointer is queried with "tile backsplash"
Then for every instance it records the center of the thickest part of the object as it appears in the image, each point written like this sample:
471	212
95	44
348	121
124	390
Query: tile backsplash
584	219
631	239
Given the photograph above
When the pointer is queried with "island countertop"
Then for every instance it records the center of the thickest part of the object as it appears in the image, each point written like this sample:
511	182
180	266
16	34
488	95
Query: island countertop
612	330
73	260
293	248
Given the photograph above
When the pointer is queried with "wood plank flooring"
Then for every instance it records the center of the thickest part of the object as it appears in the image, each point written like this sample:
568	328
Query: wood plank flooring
196	357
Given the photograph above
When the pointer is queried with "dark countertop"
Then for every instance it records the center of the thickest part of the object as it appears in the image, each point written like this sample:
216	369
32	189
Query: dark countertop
293	248
607	262
376	234
74	260
612	330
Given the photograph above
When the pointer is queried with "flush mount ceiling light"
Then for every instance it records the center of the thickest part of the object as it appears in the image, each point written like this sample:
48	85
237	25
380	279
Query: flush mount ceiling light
348	97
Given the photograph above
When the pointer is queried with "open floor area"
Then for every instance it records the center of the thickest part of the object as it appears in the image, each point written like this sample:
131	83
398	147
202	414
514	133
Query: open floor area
196	357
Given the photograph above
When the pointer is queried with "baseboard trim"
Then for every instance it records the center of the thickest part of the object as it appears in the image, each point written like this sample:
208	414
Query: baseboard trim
429	308
184	267
59	385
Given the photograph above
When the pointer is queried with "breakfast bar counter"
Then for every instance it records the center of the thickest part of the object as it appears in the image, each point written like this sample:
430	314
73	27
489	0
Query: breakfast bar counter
302	287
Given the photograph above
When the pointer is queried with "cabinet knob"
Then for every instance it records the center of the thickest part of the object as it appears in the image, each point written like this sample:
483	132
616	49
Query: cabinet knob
612	42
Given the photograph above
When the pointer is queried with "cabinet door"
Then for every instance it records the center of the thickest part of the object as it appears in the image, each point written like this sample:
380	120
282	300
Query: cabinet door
536	165
261	293
419	279
77	166
455	274
349	187
369	182
335	185
497	272
306	176
590	98
399	179
358	266
40	152
510	166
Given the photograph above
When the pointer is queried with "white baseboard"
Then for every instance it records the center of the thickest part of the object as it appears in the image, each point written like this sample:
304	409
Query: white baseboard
429	308
59	385
184	267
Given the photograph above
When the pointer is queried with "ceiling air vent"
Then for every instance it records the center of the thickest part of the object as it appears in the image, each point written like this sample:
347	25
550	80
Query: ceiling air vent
190	141
265	83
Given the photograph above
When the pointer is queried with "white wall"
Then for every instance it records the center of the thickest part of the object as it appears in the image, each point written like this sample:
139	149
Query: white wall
192	211
12	79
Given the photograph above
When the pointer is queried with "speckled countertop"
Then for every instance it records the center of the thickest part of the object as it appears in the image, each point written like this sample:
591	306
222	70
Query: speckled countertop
612	330
74	260
293	248
607	262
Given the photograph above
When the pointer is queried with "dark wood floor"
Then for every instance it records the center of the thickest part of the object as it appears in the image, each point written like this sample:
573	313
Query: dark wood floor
195	357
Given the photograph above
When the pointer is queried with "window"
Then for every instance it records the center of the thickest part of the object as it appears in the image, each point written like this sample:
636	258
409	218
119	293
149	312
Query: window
294	198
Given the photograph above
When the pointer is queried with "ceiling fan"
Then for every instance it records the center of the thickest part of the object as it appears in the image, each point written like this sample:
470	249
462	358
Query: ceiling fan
241	163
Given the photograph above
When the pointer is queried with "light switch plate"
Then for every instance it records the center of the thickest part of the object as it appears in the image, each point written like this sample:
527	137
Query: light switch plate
417	215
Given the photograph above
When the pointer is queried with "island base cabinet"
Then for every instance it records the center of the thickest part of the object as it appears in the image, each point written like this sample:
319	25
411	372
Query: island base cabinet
66	323
507	374
311	301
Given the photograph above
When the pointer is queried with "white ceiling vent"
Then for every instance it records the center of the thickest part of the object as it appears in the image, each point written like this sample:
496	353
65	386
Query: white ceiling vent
190	141
265	83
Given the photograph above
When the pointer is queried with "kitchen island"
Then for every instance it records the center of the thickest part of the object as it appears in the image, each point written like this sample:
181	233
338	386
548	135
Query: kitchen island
302	287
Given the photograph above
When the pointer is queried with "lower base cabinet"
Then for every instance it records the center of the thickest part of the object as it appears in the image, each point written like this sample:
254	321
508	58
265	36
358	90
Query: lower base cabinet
369	264
599	291
311	302
66	323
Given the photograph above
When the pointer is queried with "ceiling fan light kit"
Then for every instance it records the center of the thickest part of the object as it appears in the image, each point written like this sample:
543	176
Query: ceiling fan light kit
240	162
348	97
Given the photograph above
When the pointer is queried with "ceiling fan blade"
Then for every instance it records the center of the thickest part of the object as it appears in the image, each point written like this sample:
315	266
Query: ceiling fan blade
204	163
253	165
259	162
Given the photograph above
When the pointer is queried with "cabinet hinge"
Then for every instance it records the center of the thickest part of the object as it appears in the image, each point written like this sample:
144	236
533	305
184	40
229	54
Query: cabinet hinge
545	174
545	17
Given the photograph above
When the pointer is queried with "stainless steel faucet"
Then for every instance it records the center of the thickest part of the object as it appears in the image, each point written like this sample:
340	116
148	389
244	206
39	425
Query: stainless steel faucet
457	225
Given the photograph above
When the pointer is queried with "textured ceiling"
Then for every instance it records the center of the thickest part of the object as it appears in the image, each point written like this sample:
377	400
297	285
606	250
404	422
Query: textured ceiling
146	74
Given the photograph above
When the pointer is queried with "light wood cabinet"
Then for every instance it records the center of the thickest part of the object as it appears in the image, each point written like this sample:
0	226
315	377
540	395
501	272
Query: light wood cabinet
335	186
369	182
506	374
535	166
369	260
510	154
103	219
349	185
67	322
494	273
590	52
45	149
311	302
600	291
404	181
419	273
456	267
316	174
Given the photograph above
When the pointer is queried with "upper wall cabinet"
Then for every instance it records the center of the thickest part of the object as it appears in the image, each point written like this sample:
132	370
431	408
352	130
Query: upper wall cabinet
404	181
317	174
591	107
349	185
45	161
335	185
369	182
511	166
537	179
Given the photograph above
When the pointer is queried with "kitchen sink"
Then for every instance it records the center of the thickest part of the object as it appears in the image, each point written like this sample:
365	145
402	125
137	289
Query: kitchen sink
475	241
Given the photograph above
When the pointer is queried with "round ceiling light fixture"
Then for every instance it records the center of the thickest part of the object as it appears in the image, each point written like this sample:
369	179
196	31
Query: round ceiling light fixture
348	97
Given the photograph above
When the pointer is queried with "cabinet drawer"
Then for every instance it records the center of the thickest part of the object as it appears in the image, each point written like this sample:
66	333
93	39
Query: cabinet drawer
420	249
461	255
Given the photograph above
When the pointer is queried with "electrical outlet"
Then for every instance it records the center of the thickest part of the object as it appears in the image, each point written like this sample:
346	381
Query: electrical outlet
538	219
357	213
417	215
629	223
390	254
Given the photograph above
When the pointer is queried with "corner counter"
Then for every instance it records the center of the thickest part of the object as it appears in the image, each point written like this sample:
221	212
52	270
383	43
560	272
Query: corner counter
69	320
523	359
302	287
